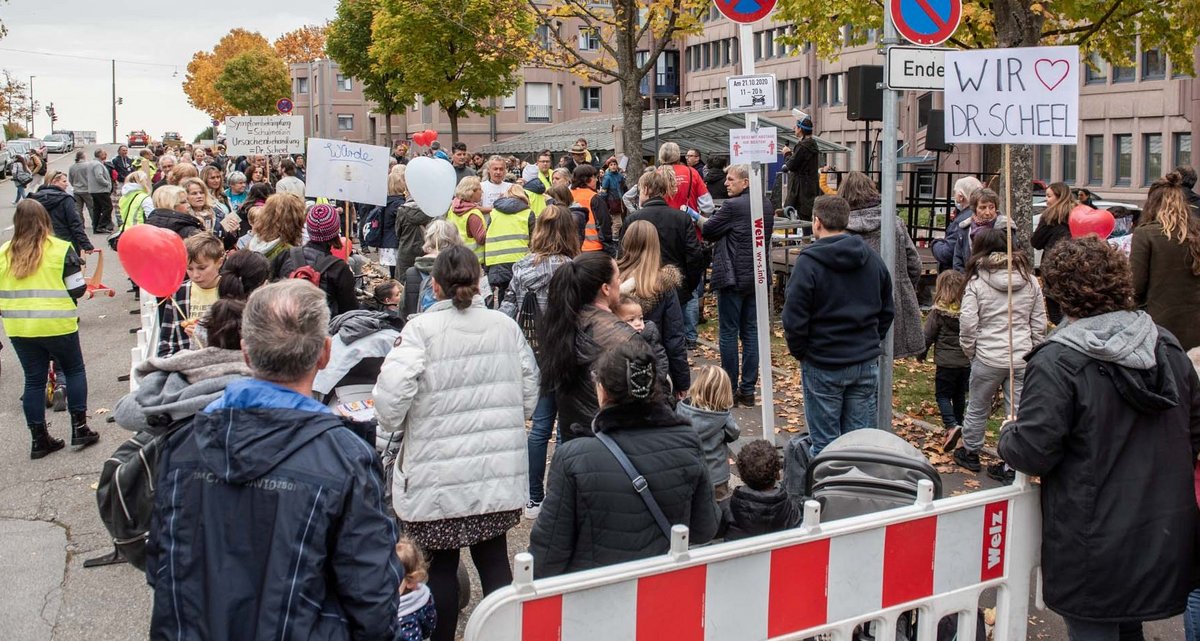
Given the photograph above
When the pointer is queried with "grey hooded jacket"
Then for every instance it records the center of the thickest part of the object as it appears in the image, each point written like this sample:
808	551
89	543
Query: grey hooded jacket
178	386
907	337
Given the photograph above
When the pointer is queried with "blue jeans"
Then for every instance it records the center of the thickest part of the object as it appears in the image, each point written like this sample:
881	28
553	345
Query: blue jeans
1191	617
35	355
539	437
837	401
20	193
691	314
735	311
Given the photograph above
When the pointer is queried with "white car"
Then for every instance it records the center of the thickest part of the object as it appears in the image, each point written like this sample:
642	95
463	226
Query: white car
57	143
1123	227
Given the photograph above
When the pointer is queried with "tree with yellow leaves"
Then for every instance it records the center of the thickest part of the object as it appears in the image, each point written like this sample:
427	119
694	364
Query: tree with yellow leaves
305	44
349	44
205	69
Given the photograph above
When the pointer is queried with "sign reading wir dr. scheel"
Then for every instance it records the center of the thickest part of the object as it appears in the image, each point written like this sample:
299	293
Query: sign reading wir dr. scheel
1026	95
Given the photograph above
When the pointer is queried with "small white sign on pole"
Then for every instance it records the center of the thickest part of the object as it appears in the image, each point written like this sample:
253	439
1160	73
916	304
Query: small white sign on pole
1024	95
746	145
921	68
266	135
751	94
347	171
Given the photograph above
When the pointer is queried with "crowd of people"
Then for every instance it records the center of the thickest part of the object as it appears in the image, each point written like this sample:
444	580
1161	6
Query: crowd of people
563	302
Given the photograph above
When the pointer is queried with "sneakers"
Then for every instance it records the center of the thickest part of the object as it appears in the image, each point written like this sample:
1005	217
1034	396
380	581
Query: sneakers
1002	472
968	459
533	509
953	435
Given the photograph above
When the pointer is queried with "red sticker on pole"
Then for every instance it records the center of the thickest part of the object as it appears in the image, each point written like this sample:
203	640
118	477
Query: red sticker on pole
745	11
926	22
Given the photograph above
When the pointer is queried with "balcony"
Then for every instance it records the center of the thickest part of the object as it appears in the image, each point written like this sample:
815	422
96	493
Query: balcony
537	113
666	84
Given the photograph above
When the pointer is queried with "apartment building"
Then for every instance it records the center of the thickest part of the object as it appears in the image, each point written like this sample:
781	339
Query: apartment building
333	106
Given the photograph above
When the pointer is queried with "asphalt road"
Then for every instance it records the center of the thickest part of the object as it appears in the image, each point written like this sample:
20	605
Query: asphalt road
48	519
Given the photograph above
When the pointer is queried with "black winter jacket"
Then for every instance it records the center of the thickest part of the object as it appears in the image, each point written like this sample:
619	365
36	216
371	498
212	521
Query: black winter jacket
714	179
183	224
677	241
410	224
839	303
387	223
337	281
753	512
592	516
731	229
804	181
1115	448
66	222
941	333
667	314
1047	235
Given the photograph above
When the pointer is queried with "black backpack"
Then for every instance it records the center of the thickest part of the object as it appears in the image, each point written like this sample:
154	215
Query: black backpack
125	493
528	317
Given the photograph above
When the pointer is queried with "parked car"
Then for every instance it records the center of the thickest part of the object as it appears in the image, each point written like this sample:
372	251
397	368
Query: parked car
56	144
36	144
138	139
172	139
1039	205
67	135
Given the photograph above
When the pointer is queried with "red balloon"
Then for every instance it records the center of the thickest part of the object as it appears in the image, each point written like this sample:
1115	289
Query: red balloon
154	258
430	135
419	138
1084	220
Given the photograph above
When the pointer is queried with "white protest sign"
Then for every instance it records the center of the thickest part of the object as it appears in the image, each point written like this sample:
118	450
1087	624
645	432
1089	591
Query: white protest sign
1026	95
267	135
347	171
747	146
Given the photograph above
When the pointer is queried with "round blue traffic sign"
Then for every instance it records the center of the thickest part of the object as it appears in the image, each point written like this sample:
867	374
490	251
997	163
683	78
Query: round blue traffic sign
926	22
284	106
745	11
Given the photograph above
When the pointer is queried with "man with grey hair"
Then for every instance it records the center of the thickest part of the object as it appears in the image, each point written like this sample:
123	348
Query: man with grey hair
100	185
269	519
165	164
494	184
78	175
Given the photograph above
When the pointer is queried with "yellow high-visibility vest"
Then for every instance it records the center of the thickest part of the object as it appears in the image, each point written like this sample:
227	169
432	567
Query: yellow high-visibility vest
38	305
507	238
461	223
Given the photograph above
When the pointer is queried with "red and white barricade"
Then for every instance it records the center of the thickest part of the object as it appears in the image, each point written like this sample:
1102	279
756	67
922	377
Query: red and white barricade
819	580
147	334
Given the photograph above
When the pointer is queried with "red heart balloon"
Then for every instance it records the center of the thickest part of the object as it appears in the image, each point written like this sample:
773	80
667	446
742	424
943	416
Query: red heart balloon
1084	220
154	258
430	135
419	138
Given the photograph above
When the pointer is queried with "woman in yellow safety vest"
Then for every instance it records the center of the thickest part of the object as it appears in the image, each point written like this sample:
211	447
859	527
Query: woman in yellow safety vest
508	232
467	216
40	279
597	231
135	203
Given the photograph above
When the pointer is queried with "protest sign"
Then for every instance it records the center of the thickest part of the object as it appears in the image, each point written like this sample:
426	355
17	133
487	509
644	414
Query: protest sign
347	171
265	135
747	146
1027	95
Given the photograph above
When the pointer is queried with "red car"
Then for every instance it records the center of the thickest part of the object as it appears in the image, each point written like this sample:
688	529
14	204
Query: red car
138	139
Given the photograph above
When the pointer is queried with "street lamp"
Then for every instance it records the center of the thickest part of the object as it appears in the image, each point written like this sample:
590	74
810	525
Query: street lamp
32	108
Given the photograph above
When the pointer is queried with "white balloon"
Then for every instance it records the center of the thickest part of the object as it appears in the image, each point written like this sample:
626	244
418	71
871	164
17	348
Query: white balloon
431	182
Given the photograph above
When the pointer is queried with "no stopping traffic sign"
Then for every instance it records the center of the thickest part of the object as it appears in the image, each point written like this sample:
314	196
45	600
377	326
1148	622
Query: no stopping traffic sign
926	22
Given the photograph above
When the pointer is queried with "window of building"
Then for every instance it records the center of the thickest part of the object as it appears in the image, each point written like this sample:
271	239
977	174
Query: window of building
301	85
537	102
735	51
706	52
1095	160
924	105
1152	157
758	48
1154	64
558	98
345	83
782	93
1123	151
837	88
510	101
769	43
589	98
1183	149
1096	71
795	87
589	39
1041	167
1068	163
823	90
806	92
542	36
1125	74
345	122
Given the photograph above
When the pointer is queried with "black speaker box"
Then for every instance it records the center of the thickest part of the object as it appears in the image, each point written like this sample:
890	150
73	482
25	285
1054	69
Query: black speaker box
864	96
935	131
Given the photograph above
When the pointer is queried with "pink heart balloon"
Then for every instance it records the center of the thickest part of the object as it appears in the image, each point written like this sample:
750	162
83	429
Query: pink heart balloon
154	258
1084	220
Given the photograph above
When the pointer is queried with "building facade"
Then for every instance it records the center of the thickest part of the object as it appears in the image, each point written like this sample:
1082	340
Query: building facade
333	106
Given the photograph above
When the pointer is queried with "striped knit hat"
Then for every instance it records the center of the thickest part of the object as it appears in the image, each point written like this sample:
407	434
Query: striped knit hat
322	223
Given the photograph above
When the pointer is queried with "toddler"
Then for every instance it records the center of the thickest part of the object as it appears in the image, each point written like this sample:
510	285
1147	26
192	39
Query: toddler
708	410
760	506
953	368
416	614
630	312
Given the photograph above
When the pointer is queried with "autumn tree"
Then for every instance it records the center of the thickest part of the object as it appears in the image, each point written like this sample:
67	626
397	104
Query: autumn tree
1106	28
457	53
253	82
206	67
624	28
348	42
305	44
14	98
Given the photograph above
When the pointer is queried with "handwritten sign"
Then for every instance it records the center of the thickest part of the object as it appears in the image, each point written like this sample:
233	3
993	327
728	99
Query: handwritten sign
753	146
247	135
1026	95
347	171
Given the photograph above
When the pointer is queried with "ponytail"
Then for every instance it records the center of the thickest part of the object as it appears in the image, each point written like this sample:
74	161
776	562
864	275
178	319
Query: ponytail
574	285
241	273
456	271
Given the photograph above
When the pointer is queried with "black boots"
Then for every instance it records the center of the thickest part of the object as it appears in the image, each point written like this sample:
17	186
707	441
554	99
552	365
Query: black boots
81	436
43	444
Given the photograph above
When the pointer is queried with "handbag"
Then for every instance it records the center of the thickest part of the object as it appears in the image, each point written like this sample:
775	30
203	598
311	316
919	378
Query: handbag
639	483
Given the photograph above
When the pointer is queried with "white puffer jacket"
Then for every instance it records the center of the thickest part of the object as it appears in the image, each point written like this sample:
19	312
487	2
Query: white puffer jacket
460	386
983	321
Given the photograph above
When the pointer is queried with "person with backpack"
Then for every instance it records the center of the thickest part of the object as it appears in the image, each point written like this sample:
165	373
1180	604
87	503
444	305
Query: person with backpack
440	235
315	261
554	243
593	516
21	176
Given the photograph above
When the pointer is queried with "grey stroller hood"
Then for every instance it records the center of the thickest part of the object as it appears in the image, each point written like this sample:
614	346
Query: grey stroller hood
867	471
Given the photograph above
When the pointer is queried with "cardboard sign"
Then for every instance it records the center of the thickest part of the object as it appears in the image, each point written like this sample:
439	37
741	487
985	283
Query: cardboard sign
268	135
747	146
1025	95
347	171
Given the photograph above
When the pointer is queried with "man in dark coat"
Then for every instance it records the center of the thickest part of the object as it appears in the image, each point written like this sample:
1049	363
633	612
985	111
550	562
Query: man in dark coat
67	223
803	168
269	519
1110	421
733	279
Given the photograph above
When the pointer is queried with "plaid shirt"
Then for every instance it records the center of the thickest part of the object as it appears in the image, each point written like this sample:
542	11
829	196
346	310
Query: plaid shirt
171	337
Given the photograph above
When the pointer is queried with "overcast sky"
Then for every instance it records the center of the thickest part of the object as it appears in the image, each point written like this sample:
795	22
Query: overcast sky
165	34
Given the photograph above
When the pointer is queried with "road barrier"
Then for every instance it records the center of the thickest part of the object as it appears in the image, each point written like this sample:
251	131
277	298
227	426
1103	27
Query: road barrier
147	334
820	580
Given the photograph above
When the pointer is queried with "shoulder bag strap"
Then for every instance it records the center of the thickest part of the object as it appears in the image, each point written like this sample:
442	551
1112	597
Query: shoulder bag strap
639	483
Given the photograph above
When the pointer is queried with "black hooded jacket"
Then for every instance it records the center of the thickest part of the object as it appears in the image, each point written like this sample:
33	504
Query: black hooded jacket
183	224
839	303
67	223
753	512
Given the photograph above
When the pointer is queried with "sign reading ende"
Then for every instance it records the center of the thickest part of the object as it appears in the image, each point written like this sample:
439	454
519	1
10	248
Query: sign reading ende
253	135
1025	95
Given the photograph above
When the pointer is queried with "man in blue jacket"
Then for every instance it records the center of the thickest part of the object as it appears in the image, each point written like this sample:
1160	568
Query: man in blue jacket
836	315
269	520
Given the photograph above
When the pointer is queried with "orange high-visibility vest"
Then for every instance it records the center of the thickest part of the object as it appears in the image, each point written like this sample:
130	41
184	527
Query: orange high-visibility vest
591	233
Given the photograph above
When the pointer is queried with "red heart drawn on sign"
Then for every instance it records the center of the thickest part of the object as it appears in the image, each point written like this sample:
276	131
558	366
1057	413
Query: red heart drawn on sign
1049	73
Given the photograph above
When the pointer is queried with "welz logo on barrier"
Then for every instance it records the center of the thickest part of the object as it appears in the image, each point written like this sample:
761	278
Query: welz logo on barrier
995	539
760	242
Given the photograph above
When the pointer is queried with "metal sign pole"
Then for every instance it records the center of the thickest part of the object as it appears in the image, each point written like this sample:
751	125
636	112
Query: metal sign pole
887	232
762	271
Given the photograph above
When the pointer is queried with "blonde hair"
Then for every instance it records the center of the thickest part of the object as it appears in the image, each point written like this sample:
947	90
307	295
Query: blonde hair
413	560
187	184
282	217
181	172
659	183
31	228
711	389
641	259
397	184
169	197
441	234
466	188
139	178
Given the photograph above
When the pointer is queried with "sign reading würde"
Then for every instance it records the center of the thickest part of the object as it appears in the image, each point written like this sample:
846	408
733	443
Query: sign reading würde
347	171
246	135
1024	96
